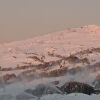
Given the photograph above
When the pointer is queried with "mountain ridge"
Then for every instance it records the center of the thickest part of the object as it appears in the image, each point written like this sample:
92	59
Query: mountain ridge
90	28
69	55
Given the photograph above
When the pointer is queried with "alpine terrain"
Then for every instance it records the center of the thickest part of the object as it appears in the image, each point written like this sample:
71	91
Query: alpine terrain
58	66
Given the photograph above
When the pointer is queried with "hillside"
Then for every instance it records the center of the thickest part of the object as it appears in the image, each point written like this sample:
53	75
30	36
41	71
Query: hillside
56	58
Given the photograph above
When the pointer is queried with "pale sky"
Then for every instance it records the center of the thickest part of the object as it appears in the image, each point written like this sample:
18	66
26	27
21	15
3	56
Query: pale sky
23	19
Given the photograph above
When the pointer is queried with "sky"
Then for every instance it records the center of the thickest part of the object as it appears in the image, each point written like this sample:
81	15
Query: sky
23	19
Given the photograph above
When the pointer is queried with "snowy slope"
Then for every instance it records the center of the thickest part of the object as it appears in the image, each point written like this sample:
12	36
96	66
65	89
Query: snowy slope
70	55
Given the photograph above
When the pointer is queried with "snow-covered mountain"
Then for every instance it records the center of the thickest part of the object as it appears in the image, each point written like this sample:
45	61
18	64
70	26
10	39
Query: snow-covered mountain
69	55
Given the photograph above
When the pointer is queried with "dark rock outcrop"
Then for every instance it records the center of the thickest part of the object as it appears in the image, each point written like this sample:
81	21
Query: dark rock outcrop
77	87
67	88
